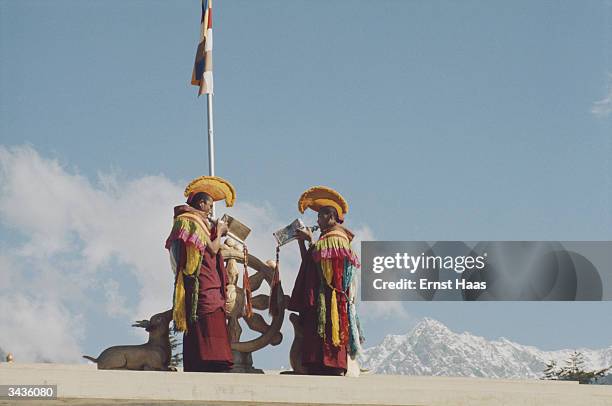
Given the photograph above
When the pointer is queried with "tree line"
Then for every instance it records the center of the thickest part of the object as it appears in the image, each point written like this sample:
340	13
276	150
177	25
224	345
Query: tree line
574	370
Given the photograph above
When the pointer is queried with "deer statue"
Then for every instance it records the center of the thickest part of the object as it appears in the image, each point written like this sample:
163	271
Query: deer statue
154	355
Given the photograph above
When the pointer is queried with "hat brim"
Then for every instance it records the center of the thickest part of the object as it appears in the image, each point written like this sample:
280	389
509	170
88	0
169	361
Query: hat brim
214	186
320	196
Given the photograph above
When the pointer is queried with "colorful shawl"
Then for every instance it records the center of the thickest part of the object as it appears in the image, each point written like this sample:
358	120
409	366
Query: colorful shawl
191	232
336	262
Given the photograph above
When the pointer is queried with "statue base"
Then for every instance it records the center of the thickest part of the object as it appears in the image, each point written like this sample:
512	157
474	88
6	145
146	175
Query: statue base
243	363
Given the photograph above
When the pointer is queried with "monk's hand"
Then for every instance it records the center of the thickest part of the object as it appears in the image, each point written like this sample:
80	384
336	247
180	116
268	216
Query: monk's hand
222	228
303	234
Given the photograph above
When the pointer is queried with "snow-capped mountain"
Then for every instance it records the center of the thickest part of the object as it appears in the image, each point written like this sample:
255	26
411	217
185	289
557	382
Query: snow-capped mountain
432	349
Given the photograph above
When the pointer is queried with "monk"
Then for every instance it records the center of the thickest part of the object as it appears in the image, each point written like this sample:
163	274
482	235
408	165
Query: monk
201	278
323	292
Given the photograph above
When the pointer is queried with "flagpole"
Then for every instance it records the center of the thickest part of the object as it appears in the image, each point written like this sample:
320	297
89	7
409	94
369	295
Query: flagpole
211	140
203	77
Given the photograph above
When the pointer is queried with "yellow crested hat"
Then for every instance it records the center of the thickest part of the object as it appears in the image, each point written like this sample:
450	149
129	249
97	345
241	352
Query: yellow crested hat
320	196
214	186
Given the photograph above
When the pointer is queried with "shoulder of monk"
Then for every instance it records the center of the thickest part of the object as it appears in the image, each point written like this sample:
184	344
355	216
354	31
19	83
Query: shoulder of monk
340	232
335	244
191	219
337	238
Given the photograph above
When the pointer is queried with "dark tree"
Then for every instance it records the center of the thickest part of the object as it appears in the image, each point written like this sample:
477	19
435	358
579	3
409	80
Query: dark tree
551	372
573	370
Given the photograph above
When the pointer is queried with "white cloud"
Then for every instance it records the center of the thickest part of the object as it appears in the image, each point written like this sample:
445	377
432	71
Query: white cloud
64	237
73	228
603	107
115	301
39	330
6	276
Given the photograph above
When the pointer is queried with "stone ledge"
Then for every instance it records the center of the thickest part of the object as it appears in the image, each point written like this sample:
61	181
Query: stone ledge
84	384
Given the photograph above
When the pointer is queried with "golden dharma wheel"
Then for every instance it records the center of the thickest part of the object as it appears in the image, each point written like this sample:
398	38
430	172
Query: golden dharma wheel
269	332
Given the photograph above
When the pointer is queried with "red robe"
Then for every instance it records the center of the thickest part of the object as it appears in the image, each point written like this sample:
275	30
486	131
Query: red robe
319	356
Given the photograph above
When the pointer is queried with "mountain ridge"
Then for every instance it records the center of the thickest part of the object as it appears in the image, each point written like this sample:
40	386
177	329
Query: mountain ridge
431	348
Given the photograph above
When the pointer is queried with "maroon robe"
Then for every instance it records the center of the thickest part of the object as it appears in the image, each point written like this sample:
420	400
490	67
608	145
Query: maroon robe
319	356
206	345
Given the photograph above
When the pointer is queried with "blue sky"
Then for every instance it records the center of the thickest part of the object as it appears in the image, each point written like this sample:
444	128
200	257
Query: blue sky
437	120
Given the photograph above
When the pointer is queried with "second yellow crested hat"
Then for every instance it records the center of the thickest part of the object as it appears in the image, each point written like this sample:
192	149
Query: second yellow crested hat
214	186
320	196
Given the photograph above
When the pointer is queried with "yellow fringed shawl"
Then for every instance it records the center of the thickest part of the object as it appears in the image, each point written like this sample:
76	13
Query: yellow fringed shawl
194	233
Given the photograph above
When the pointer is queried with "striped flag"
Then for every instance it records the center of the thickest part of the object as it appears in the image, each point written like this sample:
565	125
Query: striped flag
202	75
